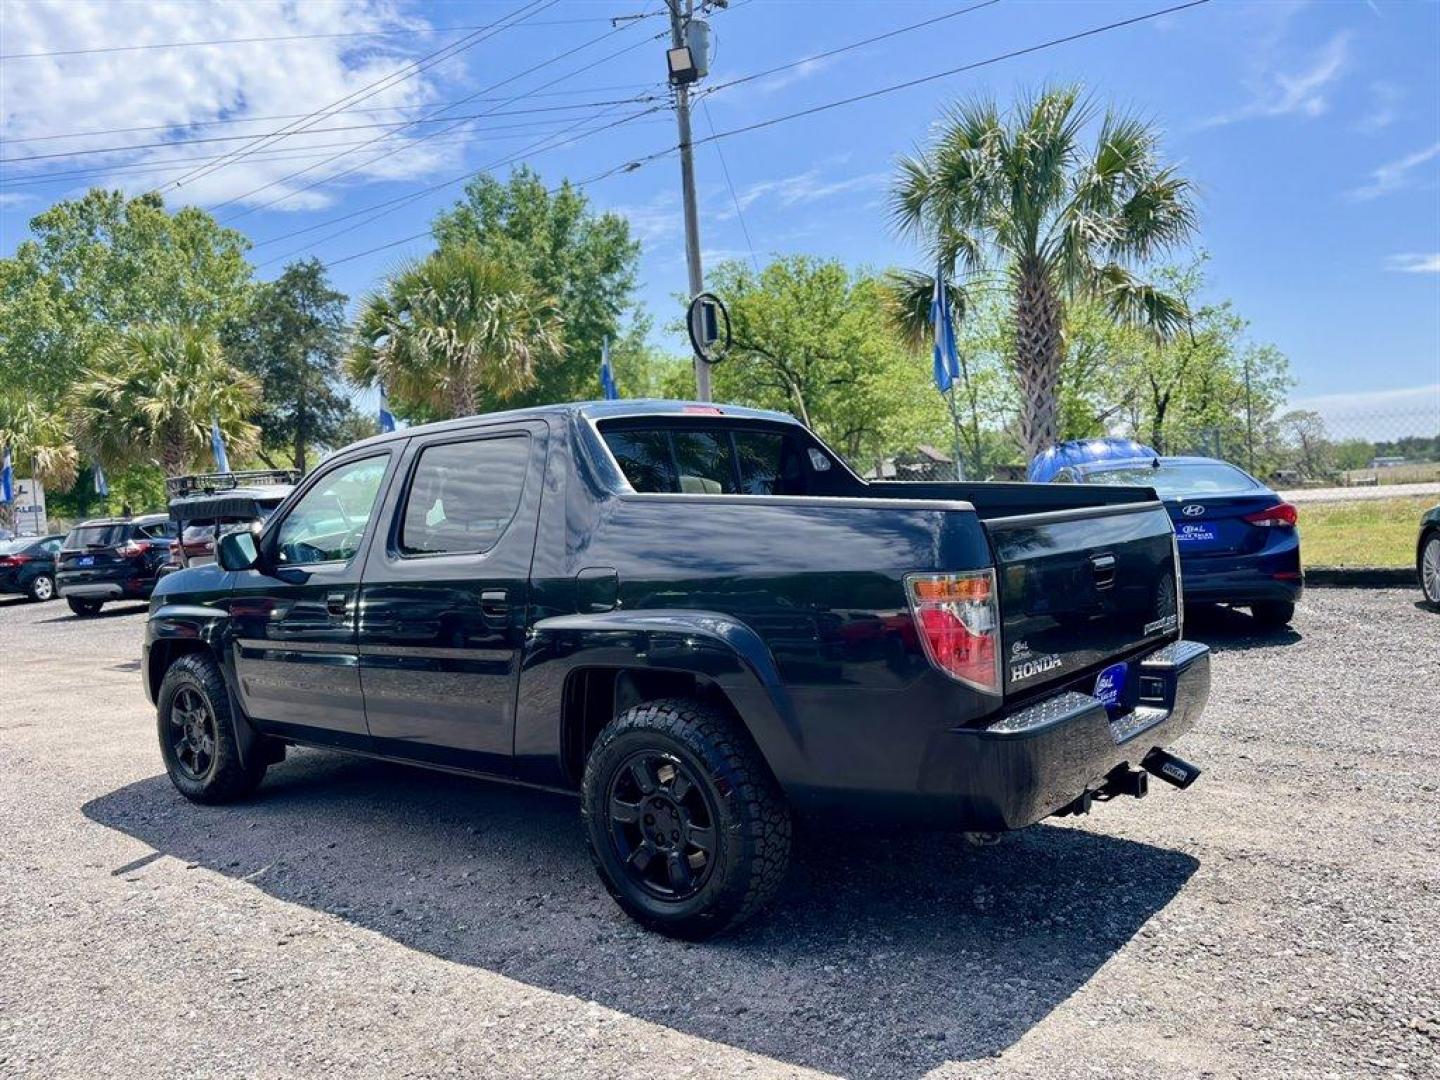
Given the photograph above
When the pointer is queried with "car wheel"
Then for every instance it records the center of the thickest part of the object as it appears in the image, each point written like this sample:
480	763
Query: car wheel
687	828
1429	567
42	588
197	734
83	607
1273	614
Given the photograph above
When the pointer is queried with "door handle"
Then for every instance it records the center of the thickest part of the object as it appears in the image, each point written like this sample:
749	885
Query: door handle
1103	567
337	603
494	603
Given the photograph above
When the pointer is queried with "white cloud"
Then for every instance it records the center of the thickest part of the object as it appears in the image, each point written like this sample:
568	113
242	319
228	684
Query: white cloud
1303	92
1414	263
1378	414
1385	98
176	87
802	188
14	198
656	221
1395	175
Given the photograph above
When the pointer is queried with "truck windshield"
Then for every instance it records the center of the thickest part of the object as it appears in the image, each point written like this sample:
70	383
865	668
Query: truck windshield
708	460
1178	479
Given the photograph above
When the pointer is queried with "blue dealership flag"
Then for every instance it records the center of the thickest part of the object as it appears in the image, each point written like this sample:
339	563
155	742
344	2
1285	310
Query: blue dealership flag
7	479
947	360
217	445
102	486
387	418
607	375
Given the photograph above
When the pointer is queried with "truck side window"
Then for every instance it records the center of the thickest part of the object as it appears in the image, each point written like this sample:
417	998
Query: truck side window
328	522
464	495
644	458
703	458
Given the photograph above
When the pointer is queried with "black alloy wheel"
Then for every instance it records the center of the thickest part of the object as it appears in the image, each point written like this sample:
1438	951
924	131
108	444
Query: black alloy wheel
193	734
662	825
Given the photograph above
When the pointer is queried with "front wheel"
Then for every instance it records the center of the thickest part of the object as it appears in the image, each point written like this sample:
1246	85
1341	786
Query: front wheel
687	828
1273	614
42	588
83	607
1428	566
197	734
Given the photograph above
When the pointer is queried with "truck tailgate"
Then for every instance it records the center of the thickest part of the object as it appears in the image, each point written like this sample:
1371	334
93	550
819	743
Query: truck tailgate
1082	587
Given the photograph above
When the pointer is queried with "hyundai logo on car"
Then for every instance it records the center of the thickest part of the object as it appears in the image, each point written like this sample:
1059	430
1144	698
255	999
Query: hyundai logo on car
1193	510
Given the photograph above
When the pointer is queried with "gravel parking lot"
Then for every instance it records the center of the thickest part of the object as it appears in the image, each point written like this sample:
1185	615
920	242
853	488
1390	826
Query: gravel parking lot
1281	918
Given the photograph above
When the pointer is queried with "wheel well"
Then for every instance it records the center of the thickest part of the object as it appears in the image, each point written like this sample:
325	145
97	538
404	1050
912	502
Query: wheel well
595	696
165	653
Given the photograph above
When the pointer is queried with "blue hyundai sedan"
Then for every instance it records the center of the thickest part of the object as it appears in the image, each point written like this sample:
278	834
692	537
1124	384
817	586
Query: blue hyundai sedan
1238	540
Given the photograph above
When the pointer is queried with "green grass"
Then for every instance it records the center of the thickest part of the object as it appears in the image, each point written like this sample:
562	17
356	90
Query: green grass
1373	532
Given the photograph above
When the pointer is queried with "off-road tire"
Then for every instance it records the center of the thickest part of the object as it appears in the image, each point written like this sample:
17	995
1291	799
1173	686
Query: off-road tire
83	607
226	778
41	588
1273	614
752	826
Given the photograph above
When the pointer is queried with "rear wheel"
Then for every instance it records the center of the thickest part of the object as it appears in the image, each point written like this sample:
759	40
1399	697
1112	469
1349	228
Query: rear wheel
687	828
42	588
197	734
1429	567
83	607
1273	613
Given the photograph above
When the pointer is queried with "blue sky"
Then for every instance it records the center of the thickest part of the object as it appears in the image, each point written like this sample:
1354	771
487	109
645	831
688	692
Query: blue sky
1312	132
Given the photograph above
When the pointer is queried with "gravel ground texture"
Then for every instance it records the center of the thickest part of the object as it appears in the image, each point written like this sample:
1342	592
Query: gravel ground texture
1279	919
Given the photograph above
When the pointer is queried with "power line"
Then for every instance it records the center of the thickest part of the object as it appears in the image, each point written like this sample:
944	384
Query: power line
400	202
295	116
458	122
402	32
397	124
636	163
724	168
367	91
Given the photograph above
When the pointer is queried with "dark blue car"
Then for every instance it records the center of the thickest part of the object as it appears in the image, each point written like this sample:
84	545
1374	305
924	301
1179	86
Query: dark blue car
1238	540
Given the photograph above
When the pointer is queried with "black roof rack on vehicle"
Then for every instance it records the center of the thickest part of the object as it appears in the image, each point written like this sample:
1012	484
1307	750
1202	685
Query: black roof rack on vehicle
177	487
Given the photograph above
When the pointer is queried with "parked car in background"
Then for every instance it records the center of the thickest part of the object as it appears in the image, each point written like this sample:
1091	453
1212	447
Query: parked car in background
1427	555
113	559
27	566
699	619
1238	540
206	505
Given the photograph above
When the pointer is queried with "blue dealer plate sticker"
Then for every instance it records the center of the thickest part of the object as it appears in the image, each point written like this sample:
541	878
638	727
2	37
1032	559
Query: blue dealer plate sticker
1110	685
85	560
1196	534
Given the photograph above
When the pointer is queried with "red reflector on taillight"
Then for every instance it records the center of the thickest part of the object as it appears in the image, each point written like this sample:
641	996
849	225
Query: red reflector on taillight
14	560
1282	515
957	617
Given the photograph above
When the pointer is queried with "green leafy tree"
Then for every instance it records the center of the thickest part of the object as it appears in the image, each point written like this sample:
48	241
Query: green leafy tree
98	265
585	260
453	331
815	340
151	396
293	338
1026	195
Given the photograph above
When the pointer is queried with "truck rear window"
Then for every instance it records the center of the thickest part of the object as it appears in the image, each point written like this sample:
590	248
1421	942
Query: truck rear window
96	536
706	461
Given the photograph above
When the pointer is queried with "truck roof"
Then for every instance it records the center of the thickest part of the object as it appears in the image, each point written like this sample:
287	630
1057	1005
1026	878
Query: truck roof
589	410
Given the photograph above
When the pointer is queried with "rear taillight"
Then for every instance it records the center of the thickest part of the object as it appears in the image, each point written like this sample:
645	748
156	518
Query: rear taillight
1282	515
15	560
957	616
132	549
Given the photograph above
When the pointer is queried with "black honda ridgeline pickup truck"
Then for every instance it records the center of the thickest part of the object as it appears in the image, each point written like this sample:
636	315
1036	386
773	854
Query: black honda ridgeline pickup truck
702	621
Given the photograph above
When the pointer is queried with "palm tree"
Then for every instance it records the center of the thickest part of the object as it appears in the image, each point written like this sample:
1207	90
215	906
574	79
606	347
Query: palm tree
38	441
1025	194
151	394
455	326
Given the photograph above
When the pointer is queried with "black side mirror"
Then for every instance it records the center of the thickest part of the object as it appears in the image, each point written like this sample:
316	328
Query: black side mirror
237	551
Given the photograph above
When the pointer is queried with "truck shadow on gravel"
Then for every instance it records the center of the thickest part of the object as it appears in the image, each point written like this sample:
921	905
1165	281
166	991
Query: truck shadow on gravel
884	956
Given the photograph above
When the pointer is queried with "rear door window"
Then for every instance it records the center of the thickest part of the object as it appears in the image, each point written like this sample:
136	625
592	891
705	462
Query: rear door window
464	495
